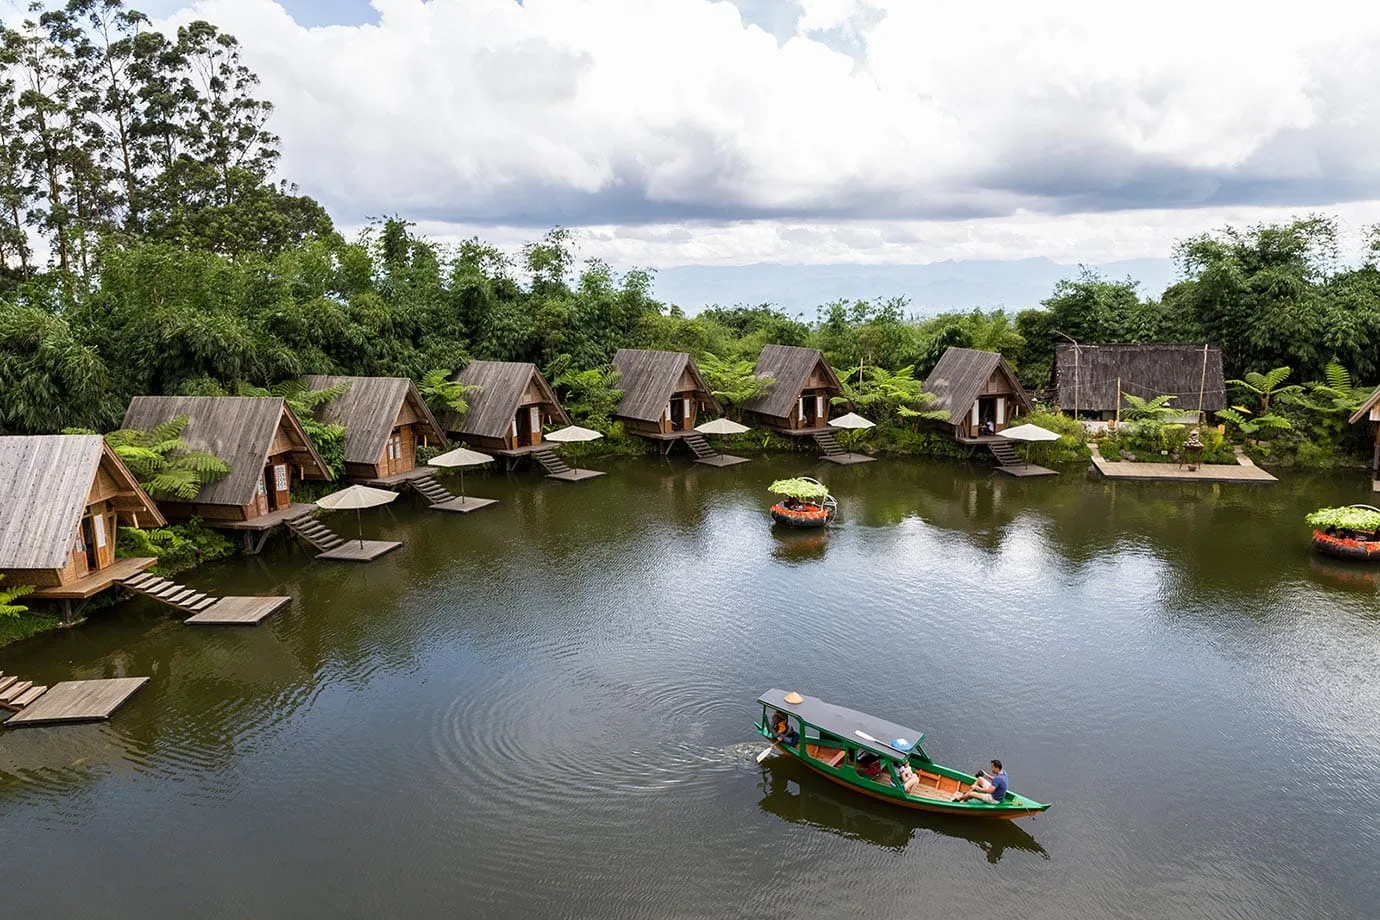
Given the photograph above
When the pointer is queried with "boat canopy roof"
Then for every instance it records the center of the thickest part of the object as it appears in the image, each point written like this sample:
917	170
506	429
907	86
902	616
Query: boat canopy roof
849	724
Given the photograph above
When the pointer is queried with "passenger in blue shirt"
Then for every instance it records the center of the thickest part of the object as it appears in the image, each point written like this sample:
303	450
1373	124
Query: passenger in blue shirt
989	789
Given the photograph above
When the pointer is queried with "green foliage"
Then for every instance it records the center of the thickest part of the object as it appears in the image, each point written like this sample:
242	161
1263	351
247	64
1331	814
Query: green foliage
591	395
165	465
1265	387
803	489
445	395
1351	518
177	547
8	596
1150	441
1252	427
1073	437
304	402
882	395
1148	409
732	380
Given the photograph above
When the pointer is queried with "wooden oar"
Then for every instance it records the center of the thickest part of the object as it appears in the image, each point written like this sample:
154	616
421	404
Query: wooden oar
763	756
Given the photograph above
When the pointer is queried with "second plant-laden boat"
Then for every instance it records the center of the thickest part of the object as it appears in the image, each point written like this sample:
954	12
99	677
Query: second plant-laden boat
807	503
1351	532
867	754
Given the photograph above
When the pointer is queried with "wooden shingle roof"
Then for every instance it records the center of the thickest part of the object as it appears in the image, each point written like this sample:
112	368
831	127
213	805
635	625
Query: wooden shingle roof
238	430
958	379
648	378
1364	411
1145	371
45	481
789	367
368	409
493	406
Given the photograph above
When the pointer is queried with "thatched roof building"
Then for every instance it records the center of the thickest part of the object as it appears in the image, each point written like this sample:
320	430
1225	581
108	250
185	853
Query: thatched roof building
385	420
508	410
1085	376
663	392
799	397
64	496
258	436
979	391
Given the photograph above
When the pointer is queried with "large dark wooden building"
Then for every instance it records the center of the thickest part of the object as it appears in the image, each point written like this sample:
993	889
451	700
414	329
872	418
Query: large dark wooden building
63	498
507	411
663	393
979	391
1086	377
797	402
258	436
385	421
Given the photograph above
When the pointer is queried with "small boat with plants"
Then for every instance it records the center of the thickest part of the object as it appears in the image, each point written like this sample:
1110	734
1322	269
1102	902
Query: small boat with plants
1351	532
807	503
875	757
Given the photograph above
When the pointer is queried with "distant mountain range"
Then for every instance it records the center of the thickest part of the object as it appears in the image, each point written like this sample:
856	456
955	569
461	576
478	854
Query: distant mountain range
933	287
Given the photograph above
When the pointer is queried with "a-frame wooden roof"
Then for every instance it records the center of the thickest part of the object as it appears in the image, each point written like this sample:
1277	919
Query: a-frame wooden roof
368	410
501	385
238	430
958	379
45	481
1364	411
789	367
648	378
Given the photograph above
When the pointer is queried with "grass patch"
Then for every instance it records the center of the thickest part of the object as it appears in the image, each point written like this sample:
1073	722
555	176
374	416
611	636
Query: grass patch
26	626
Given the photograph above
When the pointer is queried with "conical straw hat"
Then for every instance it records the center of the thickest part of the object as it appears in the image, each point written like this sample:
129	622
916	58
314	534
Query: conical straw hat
794	698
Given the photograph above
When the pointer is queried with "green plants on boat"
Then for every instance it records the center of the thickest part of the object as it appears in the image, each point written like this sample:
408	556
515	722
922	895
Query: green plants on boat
803	489
1351	519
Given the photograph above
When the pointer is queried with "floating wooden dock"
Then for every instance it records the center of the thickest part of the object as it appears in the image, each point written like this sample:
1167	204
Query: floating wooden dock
847	459
575	475
238	611
1242	471
721	460
1028	469
464	504
357	551
78	701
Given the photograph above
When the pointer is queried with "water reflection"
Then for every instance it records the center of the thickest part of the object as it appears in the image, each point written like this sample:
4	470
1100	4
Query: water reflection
794	793
796	546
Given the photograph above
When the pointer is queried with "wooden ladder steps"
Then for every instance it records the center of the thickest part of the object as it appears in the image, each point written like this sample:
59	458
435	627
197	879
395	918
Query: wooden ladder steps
432	490
14	691
27	697
5	682
550	462
828	443
315	533
1005	452
167	591
698	446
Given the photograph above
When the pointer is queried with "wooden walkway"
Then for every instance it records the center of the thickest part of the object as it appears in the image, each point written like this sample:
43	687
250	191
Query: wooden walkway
238	611
357	551
118	571
78	701
1241	471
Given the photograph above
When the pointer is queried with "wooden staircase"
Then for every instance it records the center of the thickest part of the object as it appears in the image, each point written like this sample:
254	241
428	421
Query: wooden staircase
1005	452
314	532
550	461
699	446
430	488
15	694
167	591
829	444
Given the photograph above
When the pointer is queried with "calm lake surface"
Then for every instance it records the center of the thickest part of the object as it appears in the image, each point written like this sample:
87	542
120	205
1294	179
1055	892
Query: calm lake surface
546	707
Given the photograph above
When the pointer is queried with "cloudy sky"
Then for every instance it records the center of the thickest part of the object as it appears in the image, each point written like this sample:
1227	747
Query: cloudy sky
680	132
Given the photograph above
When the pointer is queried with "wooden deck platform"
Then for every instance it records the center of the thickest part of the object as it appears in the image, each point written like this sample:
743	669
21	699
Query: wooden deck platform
398	479
722	460
576	475
847	459
238	611
1241	471
78	701
352	551
1029	469
464	505
263	522
96	582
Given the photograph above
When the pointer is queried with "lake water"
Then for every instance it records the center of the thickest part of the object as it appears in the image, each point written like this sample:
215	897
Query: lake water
545	709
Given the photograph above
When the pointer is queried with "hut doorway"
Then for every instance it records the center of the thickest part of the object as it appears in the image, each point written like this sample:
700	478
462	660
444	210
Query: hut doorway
679	411
527	426
811	409
90	553
277	487
991	412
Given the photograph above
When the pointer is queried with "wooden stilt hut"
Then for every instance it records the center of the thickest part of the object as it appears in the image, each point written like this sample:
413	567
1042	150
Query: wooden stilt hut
385	421
1089	380
663	396
1369	412
979	391
797	403
507	410
262	441
63	498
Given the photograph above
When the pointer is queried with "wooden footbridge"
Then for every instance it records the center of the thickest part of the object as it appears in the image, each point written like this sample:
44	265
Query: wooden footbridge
205	609
68	701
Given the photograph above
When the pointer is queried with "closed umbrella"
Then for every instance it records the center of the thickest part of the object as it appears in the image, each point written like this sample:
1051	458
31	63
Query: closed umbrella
573	433
722	426
851	421
356	497
460	458
1029	433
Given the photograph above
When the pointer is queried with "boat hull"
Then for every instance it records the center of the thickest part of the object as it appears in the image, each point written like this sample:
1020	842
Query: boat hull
1344	548
792	518
1005	813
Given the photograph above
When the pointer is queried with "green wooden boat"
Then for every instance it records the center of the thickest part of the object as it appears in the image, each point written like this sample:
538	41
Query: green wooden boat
867	754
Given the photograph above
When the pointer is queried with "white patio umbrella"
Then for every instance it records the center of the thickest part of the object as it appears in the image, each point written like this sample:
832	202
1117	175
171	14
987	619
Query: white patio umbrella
460	458
851	421
1029	434
356	497
573	433
722	426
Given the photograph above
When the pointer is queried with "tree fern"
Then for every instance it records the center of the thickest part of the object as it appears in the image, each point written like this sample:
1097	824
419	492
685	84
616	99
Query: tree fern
1152	409
7	596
